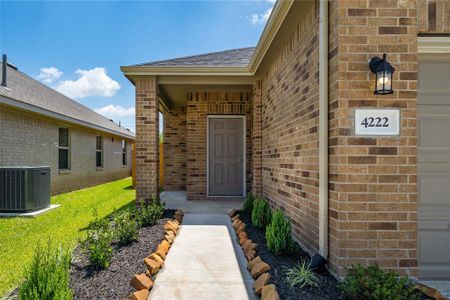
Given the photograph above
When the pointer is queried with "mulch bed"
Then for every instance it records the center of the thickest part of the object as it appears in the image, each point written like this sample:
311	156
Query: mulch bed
114	282
328	284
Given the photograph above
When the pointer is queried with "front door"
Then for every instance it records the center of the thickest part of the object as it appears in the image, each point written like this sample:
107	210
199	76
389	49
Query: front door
225	156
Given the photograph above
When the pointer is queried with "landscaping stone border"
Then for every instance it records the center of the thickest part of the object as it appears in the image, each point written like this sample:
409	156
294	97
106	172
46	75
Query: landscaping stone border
256	266
143	283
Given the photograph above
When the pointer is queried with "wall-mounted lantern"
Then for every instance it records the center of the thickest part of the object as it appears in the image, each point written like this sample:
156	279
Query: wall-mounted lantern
383	71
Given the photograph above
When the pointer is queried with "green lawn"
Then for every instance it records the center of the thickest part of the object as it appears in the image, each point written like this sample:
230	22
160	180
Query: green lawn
64	224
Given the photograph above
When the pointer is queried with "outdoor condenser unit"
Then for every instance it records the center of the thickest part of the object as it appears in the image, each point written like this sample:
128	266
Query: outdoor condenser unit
24	189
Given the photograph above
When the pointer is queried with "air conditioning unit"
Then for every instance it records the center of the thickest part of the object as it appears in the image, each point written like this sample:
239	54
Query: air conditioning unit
24	189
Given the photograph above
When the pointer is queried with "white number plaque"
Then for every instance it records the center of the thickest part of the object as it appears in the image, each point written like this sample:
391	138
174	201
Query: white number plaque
377	121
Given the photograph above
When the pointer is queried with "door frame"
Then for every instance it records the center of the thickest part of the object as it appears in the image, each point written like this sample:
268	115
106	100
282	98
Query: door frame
244	149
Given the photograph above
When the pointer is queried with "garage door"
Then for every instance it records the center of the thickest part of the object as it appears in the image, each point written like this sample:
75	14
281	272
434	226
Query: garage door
434	169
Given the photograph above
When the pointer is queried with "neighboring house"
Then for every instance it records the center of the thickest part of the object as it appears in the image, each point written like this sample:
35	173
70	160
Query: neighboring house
278	120
41	127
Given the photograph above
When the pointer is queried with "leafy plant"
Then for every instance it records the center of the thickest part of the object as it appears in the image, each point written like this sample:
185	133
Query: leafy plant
149	213
261	213
301	276
47	277
125	228
98	242
248	204
373	283
278	234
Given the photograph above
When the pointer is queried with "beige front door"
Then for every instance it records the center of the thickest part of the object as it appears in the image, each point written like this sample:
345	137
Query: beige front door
434	169
225	156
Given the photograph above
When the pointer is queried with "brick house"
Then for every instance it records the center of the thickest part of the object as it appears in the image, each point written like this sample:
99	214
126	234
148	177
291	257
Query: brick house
41	127
279	120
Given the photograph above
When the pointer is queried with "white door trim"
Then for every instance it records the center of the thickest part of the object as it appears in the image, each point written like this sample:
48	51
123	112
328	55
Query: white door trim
244	149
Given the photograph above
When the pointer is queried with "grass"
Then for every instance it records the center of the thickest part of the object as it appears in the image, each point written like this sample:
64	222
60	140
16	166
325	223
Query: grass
19	236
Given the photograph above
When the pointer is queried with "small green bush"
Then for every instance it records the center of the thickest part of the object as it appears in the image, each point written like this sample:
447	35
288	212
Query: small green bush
301	276
125	228
261	213
278	234
47	277
149	213
98	242
373	283
248	204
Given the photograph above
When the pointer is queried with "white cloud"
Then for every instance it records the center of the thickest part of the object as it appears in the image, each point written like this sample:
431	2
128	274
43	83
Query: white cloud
93	82
261	18
112	110
49	75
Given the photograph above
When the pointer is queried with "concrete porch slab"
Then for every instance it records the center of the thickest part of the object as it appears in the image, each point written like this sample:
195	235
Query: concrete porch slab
205	262
29	214
177	200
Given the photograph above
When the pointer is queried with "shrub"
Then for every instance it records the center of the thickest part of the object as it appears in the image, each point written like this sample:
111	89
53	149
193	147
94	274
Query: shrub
98	242
301	276
248	204
278	234
373	283
149	213
125	228
261	213
47	276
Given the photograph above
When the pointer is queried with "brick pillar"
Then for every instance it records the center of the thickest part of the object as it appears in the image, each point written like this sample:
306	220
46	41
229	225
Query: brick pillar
147	139
257	138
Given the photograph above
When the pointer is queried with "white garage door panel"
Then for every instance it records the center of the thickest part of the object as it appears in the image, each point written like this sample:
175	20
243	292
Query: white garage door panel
429	241
433	156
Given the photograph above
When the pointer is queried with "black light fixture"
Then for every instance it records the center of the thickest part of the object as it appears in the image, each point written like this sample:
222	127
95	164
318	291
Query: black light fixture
383	71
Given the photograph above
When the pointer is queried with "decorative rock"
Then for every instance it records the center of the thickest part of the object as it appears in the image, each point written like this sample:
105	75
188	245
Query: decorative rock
140	295
174	225
269	292
254	262
234	218
152	265
261	282
162	249
166	245
243	234
156	256
140	282
250	246
240	228
160	252
178	217
259	268
176	221
248	242
169	236
250	255
168	226
430	292
236	223
242	241
233	212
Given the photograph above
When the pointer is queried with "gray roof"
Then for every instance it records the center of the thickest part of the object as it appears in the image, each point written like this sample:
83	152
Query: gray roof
25	89
229	58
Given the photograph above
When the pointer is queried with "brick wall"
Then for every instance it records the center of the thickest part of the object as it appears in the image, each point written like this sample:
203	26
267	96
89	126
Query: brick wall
175	149
373	181
434	16
28	139
290	106
147	138
199	106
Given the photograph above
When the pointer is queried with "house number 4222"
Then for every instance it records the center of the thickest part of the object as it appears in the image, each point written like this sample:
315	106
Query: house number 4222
375	122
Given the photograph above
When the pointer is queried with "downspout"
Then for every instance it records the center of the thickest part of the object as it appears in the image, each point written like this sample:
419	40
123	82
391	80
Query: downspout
323	128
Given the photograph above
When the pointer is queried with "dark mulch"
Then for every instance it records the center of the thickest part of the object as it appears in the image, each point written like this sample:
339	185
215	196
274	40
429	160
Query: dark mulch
114	282
328	284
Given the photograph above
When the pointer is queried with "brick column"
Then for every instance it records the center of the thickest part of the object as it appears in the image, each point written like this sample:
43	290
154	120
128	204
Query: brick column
147	139
257	138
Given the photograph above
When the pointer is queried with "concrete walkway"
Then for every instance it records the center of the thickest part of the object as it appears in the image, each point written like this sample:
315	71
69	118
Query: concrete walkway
177	200
204	262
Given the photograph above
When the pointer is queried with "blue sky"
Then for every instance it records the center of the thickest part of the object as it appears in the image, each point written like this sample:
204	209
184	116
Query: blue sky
78	47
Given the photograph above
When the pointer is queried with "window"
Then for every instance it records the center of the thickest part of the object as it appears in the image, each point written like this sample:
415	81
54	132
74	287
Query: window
124	152
63	149
99	151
